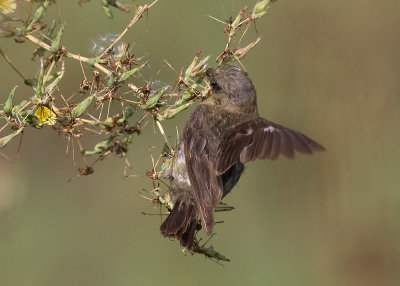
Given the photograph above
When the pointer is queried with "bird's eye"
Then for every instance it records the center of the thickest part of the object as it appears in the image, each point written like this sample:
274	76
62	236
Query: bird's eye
214	84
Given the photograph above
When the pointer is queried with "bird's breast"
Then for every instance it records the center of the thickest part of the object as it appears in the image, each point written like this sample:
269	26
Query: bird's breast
180	177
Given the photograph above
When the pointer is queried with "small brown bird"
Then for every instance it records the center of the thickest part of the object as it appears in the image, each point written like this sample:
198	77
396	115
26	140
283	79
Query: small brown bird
223	133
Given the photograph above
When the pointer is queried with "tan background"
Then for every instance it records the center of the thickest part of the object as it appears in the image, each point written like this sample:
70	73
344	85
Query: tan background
328	68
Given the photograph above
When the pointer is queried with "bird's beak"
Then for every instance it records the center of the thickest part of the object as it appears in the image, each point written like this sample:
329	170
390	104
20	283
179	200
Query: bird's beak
209	72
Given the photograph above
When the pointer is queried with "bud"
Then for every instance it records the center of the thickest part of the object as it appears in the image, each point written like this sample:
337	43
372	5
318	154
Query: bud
39	13
236	22
124	76
188	71
100	147
8	106
171	113
82	106
240	53
152	101
260	9
55	46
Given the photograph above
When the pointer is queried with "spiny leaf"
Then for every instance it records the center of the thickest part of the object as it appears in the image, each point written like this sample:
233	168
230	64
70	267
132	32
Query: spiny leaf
6	139
82	106
8	106
55	46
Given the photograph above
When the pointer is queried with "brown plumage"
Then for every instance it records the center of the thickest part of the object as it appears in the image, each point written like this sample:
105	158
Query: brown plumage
223	133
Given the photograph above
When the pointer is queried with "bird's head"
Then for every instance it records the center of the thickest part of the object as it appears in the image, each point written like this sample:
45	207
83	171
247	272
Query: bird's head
231	81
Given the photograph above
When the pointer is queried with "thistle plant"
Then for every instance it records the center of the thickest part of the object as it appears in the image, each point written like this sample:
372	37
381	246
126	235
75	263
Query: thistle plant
107	110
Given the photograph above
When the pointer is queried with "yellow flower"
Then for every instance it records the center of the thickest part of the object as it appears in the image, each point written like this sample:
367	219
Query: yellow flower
46	115
7	6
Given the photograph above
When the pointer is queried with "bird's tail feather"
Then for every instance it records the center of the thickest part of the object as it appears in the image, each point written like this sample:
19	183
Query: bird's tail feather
181	223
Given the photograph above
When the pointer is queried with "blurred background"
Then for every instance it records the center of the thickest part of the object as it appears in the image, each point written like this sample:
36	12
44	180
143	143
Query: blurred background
327	68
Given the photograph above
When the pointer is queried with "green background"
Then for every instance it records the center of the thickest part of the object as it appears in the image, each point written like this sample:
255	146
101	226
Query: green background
327	68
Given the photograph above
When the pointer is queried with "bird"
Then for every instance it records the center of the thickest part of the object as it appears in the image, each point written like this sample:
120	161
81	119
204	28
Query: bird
224	132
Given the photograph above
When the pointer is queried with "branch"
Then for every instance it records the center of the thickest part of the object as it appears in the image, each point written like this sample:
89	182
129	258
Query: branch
138	15
68	54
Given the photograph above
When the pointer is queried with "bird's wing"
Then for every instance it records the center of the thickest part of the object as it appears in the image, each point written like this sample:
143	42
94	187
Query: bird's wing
206	183
262	139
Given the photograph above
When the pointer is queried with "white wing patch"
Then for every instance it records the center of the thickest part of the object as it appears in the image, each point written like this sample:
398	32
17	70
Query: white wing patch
271	129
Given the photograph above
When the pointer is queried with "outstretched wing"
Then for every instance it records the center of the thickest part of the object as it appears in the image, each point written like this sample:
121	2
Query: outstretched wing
262	139
206	183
